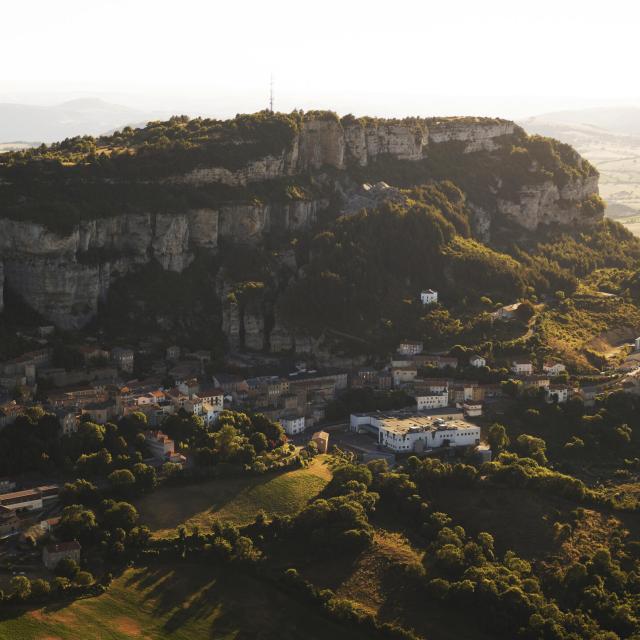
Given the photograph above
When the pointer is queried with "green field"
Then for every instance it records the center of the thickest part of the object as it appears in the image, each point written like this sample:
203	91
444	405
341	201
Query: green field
184	603
235	500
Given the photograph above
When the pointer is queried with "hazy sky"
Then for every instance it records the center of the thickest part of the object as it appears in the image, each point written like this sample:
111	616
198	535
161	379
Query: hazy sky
419	57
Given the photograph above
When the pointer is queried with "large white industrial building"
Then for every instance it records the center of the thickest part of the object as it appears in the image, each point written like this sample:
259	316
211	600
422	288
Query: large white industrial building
407	431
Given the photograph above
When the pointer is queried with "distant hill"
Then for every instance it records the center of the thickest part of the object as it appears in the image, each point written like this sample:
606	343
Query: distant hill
610	139
85	116
609	120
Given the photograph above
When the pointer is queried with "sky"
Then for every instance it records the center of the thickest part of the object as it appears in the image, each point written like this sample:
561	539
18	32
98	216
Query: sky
407	57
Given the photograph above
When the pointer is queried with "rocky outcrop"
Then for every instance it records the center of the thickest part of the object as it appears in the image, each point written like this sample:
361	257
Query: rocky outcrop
546	203
477	134
1	286
63	277
248	223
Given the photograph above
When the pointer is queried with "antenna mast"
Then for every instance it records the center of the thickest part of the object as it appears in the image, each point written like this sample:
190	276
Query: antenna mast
271	94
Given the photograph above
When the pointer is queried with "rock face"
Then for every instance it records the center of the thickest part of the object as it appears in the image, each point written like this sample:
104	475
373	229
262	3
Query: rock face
477	134
65	276
546	203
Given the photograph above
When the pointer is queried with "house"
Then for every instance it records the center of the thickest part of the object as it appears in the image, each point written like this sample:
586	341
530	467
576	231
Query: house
68	421
321	438
100	412
522	367
173	353
461	391
432	401
123	358
536	381
292	424
472	409
410	347
53	553
477	361
553	368
558	393
637	344
428	296
212	395
402	375
161	445
189	387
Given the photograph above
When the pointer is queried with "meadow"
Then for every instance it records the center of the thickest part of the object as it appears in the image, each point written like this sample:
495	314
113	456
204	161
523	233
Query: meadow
236	500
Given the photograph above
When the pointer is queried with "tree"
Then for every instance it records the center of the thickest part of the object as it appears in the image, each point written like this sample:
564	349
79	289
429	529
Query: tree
122	481
67	569
120	515
145	476
21	586
532	447
77	523
40	589
498	438
83	579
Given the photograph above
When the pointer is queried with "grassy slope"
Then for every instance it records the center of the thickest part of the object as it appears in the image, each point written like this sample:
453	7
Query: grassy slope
235	500
166	604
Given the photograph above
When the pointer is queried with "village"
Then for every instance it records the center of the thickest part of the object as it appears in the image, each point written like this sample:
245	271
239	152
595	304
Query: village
447	400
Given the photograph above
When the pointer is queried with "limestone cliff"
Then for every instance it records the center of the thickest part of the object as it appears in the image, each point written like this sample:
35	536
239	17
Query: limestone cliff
64	275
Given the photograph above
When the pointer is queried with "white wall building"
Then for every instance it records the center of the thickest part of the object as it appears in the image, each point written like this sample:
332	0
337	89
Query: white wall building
293	425
428	296
160	444
557	393
553	368
410	347
477	361
432	401
522	367
405	432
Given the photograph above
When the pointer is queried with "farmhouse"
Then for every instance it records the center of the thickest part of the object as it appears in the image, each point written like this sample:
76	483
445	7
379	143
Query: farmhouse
553	369
428	296
522	367
53	553
406	431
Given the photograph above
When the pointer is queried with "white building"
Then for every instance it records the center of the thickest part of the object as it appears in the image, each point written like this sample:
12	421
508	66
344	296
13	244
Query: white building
553	368
477	361
405	432
293	425
472	409
557	393
429	296
432	401
410	347
522	367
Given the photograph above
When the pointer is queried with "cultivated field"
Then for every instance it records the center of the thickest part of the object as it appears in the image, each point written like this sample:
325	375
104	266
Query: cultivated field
184	603
235	500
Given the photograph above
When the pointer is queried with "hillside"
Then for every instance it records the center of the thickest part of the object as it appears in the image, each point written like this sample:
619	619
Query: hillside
258	218
610	139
